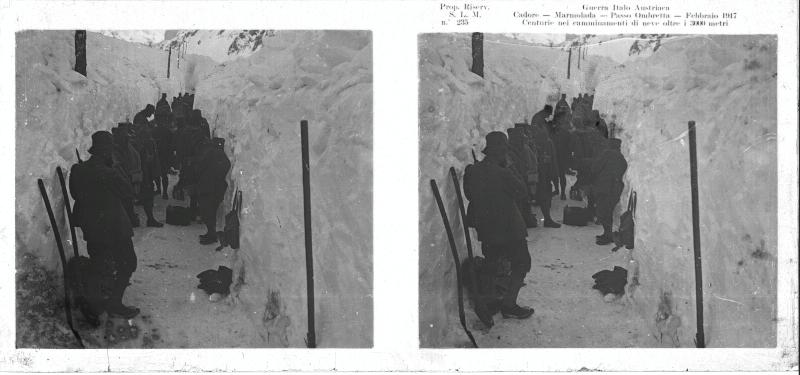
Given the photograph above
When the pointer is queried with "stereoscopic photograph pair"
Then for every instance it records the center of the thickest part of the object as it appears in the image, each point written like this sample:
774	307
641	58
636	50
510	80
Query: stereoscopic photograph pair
213	188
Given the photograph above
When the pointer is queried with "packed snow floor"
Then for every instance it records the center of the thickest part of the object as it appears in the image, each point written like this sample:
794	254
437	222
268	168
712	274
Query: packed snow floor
569	313
174	313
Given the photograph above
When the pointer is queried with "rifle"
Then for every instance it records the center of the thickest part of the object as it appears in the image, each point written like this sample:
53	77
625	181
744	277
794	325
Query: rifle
69	210
480	305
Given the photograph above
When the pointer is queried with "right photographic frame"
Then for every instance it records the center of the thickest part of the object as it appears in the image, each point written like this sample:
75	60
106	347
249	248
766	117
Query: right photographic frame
581	191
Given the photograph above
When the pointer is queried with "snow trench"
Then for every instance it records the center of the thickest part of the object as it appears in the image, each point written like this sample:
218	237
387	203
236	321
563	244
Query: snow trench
726	84
256	104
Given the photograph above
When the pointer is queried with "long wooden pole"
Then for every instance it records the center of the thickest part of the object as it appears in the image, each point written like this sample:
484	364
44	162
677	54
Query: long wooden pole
311	340
169	60
700	340
569	61
80	52
477	53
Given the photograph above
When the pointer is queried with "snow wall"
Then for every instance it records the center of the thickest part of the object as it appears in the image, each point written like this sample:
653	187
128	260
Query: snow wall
728	85
652	98
58	110
256	104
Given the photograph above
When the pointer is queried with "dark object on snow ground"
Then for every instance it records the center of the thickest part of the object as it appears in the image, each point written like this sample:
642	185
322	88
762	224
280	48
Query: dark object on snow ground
611	281
177	215
575	216
216	281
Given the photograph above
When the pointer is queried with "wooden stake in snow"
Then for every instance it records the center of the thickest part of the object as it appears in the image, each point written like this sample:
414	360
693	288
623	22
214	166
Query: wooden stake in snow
80	52
169	60
477	53
569	61
579	58
700	340
311	340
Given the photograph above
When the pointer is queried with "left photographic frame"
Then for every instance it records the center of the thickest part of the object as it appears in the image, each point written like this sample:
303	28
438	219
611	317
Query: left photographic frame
193	189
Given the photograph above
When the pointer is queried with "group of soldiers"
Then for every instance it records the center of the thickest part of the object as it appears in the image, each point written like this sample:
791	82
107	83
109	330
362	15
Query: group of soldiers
131	165
527	167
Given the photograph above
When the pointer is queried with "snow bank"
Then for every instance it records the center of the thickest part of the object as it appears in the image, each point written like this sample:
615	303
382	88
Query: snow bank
727	84
58	110
256	104
219	45
457	109
147	37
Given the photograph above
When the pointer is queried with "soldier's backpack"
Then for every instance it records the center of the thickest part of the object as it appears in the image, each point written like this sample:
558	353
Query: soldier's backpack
625	235
493	279
177	215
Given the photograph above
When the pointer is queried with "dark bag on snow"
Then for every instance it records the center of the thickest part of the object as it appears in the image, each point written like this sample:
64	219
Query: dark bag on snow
625	235
216	281
232	222
177	215
575	216
611	281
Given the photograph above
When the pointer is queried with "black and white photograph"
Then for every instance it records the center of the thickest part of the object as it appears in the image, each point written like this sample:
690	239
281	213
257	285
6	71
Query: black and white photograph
598	191
193	189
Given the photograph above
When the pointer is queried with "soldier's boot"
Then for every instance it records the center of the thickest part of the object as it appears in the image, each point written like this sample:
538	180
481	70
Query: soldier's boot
605	238
548	221
115	307
151	220
510	308
165	187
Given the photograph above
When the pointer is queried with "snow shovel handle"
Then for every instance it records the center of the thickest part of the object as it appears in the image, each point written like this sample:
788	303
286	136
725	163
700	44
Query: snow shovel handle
449	231
60	246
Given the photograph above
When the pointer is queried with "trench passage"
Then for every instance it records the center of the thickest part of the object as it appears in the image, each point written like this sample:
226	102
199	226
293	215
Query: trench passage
174	313
569	313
